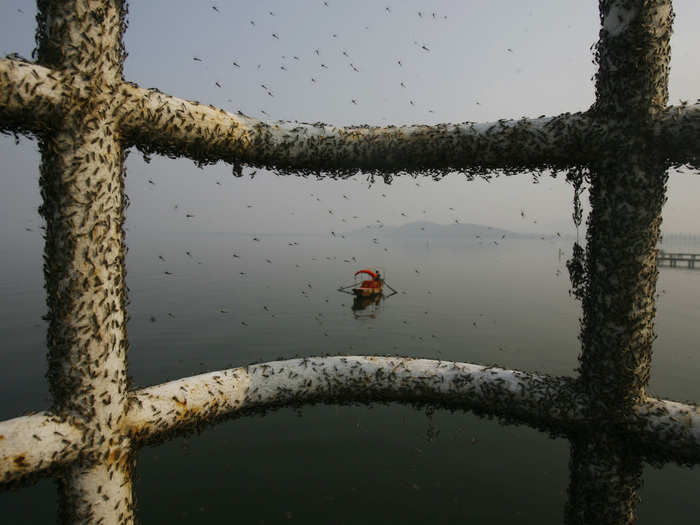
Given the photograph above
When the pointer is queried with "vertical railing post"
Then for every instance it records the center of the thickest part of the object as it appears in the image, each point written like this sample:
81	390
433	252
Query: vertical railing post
628	188
604	481
627	192
83	206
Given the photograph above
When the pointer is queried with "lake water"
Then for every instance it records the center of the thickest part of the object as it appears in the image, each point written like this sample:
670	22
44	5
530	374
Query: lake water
469	301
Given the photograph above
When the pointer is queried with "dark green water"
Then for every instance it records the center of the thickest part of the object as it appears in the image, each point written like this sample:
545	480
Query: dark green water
484	303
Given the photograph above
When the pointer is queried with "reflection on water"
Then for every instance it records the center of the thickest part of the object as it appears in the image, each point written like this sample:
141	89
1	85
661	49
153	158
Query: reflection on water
360	303
506	304
369	305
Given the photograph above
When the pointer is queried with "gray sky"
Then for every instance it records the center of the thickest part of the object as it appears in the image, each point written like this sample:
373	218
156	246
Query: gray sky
485	60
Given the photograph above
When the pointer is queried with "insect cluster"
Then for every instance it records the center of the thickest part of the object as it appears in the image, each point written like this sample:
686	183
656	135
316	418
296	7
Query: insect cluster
158	123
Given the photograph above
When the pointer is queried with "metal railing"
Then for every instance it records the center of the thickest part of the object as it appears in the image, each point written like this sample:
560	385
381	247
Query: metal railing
75	101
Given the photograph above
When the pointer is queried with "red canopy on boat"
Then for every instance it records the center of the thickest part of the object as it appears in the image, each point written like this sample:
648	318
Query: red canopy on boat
370	272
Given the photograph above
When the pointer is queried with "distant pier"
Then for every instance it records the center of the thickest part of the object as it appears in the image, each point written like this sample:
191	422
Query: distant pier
676	259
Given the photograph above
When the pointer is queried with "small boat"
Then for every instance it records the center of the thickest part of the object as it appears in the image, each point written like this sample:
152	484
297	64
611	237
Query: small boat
368	290
369	287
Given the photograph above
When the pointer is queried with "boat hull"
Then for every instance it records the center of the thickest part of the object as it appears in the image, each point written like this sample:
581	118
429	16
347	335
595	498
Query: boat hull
366	291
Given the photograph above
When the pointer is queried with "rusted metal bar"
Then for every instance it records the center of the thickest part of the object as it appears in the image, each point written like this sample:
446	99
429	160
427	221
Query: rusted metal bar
538	399
666	428
83	204
30	444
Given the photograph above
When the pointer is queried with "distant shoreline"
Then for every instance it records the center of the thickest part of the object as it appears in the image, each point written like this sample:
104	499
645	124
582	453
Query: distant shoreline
428	230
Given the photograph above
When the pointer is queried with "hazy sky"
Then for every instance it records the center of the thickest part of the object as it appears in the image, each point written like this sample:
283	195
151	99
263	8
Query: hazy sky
460	60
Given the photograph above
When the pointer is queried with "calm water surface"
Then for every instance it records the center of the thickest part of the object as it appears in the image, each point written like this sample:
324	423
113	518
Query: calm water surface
505	304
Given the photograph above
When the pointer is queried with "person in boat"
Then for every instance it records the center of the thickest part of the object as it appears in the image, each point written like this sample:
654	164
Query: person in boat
369	286
377	281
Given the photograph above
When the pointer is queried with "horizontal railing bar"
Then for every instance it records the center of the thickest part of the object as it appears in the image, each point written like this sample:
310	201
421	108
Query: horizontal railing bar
677	133
31	97
30	444
155	121
160	409
34	443
670	430
667	429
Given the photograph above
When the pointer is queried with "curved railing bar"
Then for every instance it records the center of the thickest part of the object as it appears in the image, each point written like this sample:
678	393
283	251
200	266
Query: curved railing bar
34	443
667	428
340	379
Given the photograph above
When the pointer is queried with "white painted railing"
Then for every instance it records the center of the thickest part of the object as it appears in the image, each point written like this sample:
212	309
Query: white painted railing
75	101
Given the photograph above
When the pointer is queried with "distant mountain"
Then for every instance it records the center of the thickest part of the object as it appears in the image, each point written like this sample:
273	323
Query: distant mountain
424	229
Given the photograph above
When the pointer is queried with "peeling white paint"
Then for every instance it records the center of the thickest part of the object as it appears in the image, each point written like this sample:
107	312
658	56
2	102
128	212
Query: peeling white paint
618	18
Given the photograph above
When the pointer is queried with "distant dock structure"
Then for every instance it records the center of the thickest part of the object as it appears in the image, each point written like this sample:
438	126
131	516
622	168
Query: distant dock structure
672	260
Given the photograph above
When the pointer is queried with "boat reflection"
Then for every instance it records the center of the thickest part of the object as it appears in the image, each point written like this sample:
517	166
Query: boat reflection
360	303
